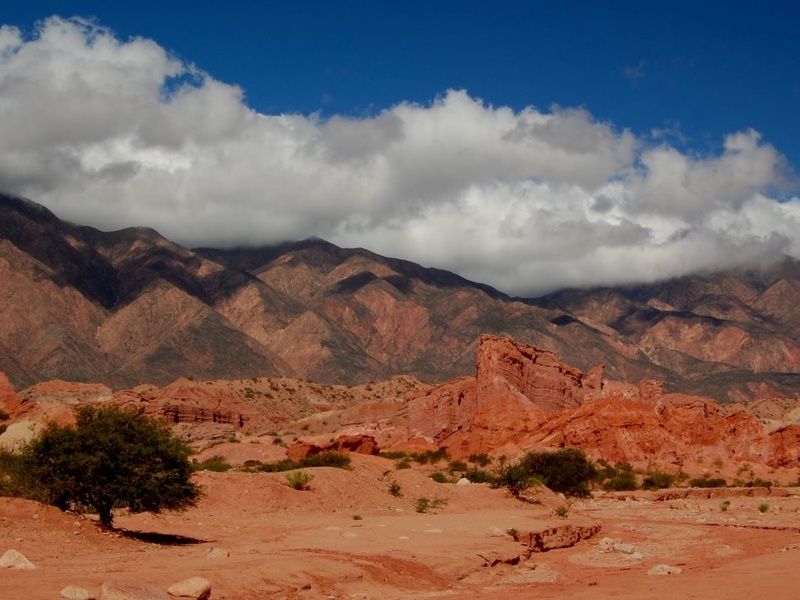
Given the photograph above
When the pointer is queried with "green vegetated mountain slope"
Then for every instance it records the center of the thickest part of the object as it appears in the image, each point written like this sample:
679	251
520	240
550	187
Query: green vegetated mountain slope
130	306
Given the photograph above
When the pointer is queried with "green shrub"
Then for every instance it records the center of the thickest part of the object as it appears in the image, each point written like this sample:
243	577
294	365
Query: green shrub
439	477
326	459
457	465
323	459
15	480
567	471
395	489
561	511
430	456
758	482
215	463
393	455
482	460
514	477
706	482
763	507
476	475
622	482
657	480
112	458
402	464
424	505
298	480
725	505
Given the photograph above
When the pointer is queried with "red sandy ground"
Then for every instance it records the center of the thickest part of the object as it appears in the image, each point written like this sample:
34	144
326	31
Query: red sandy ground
292	544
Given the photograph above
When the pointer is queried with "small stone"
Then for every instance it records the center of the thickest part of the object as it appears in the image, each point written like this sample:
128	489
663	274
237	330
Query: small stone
663	569
13	559
607	544
118	590
215	552
72	592
624	548
463	481
194	587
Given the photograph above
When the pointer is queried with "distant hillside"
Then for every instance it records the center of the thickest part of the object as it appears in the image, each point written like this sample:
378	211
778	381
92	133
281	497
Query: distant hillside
130	306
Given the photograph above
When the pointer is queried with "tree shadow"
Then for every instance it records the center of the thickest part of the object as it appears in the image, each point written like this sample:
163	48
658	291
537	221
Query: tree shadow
162	539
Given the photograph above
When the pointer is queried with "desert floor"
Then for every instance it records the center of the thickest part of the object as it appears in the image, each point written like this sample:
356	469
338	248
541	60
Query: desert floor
254	537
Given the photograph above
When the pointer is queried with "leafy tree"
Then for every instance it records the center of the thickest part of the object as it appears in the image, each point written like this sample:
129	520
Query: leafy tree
112	458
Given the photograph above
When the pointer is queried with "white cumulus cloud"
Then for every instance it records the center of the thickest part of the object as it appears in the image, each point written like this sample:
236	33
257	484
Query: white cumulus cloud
115	133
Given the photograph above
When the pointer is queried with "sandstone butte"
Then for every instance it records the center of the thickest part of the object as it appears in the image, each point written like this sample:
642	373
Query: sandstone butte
521	398
524	398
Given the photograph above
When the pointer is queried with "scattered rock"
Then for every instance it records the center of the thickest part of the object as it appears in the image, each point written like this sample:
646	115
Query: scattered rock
118	590
194	587
663	569
72	592
624	548
463	481
216	552
13	559
561	536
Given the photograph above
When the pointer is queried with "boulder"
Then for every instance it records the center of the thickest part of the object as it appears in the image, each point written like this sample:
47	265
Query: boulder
12	559
120	590
663	569
194	587
18	434
72	592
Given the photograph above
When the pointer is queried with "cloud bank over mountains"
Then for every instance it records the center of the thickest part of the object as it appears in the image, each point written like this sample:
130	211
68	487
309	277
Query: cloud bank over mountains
116	133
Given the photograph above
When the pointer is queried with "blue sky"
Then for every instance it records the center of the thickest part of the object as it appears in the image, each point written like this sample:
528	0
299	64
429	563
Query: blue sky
702	69
528	145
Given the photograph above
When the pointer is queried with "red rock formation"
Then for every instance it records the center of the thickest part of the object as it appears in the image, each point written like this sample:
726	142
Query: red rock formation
515	387
361	444
9	400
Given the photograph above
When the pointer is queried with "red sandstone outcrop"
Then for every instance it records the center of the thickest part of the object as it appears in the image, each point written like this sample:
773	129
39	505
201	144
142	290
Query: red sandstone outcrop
9	401
515	388
524	398
360	444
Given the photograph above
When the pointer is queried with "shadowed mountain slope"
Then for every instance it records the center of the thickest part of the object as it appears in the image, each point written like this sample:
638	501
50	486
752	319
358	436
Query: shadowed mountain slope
130	306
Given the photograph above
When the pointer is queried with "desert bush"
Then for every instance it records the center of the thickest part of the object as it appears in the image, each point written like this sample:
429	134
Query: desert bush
357	517
430	456
568	471
439	477
395	489
763	507
326	459
622	482
725	505
111	458
561	511
619	477
513	533
482	460
657	480
394	455
707	482
299	480
215	463
457	465
323	459
758	482
424	505
514	477
15	481
402	464
476	475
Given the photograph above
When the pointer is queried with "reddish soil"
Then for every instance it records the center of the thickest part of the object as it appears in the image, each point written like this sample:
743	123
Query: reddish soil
280	543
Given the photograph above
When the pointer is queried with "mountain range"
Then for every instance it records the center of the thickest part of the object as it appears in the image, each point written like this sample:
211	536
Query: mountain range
130	306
